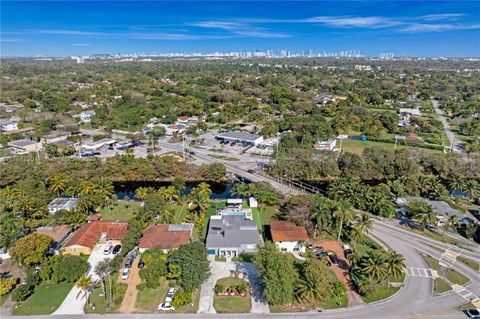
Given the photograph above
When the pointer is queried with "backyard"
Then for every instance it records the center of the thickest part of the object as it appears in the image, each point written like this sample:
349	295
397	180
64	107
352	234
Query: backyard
46	299
123	210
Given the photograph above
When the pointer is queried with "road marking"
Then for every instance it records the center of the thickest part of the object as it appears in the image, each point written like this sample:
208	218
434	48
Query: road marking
466	294
421	272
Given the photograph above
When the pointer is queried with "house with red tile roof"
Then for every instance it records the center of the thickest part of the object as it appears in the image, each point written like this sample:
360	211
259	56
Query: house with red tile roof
165	236
86	237
287	236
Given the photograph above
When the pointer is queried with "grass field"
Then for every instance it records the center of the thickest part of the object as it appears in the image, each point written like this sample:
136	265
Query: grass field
148	299
456	277
379	293
98	301
441	285
122	211
45	300
470	263
431	262
357	147
232	304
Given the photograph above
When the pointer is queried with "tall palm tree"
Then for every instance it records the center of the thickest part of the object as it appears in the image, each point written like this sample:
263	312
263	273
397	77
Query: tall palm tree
141	193
102	270
204	189
473	188
9	196
24	205
58	183
320	217
198	202
456	183
449	223
375	266
87	188
240	189
168	194
104	188
364	223
342	211
84	283
395	264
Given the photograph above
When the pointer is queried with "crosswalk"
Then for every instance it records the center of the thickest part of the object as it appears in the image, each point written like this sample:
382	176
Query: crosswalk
449	257
421	272
466	294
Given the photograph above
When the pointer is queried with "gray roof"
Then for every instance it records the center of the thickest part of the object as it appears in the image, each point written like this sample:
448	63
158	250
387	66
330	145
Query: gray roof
55	134
181	227
243	136
7	122
438	207
232	231
62	202
23	143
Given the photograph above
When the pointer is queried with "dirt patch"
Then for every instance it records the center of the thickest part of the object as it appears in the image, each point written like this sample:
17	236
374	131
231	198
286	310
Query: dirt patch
128	303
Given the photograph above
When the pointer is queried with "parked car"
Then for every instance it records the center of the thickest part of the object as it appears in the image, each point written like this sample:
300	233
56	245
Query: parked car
116	249
347	250
170	294
473	313
108	249
333	258
251	171
128	263
321	254
141	263
309	246
125	273
166	306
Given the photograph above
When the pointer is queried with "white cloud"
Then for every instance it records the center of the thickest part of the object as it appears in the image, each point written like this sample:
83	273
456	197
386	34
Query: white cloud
443	16
219	25
354	22
171	36
69	32
10	40
82	44
425	27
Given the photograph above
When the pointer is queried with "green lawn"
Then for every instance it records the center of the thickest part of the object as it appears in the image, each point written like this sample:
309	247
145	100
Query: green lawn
98	303
122	211
334	301
148	299
232	304
268	213
441	285
358	146
456	277
397	279
45	300
379	293
4	298
470	263
431	262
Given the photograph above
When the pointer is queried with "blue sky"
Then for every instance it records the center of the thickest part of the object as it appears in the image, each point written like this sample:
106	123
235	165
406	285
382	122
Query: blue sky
430	28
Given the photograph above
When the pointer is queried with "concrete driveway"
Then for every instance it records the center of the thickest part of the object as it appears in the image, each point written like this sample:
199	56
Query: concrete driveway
220	270
75	300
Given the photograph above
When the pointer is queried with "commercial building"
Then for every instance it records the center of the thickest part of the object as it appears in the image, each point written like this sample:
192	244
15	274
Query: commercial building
97	145
241	137
230	236
165	236
87	236
288	237
62	203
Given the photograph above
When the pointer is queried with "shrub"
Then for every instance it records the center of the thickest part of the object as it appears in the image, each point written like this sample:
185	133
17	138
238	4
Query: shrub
219	288
22	292
6	285
242	288
182	297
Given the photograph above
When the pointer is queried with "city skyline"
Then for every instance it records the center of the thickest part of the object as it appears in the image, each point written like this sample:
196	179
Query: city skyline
422	29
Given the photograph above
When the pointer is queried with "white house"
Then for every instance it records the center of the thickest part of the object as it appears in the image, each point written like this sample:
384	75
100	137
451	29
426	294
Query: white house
288	237
86	116
8	125
326	145
62	203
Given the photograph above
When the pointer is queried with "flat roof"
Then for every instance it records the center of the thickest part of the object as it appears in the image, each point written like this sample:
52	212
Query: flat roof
243	136
24	142
232	231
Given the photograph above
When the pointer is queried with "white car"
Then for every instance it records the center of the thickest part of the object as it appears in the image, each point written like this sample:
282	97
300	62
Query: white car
125	273
108	249
473	313
171	292
166	306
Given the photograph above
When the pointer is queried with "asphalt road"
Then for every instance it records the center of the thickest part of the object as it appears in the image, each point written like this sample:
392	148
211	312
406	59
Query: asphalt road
457	146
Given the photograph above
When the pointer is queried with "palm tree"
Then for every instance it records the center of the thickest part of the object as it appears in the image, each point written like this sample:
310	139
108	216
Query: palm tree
473	188
198	201
104	188
395	264
364	223
58	183
141	193
102	270
375	266
240	189
204	189
308	290
9	196
449	223
24	205
320	216
456	183
84	283
342	211
87	188
168	194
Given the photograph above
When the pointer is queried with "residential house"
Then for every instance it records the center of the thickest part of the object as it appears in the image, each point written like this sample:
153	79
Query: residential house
86	237
59	234
288	237
326	145
86	116
27	145
165	236
8	125
173	129
56	137
62	203
230	235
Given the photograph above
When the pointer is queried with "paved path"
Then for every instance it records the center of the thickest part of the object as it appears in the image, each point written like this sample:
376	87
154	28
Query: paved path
128	303
457	146
220	270
76	299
